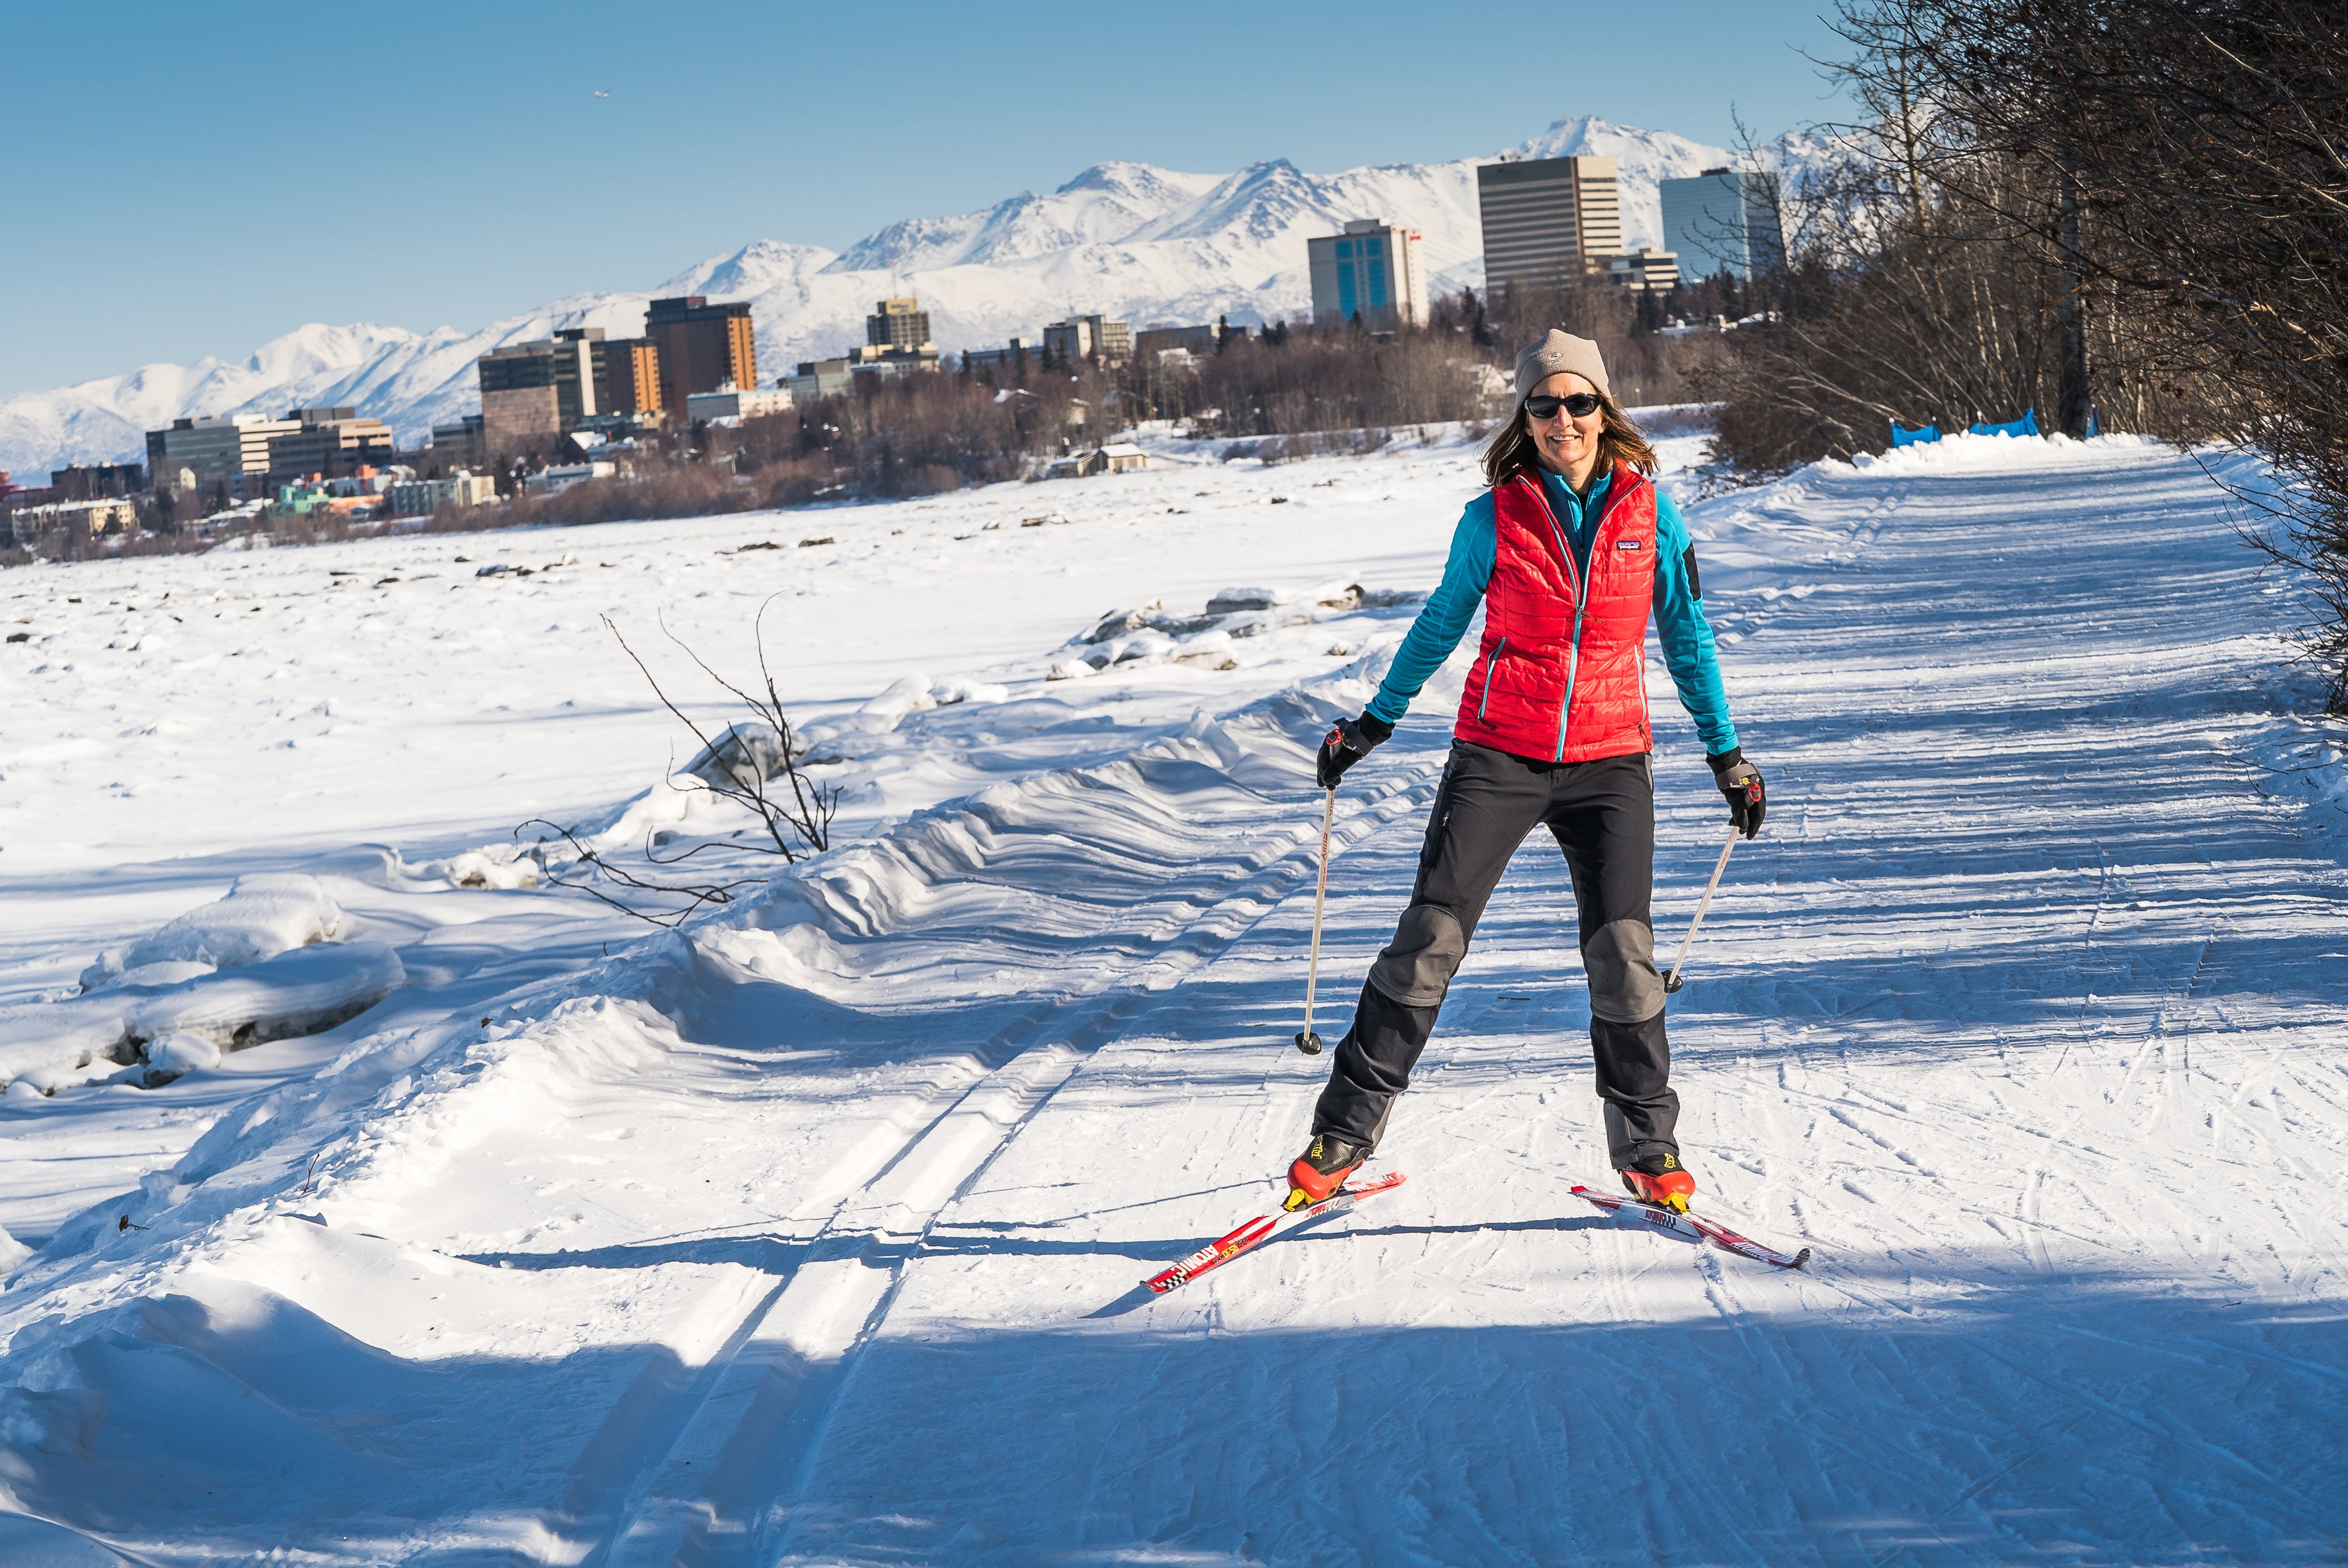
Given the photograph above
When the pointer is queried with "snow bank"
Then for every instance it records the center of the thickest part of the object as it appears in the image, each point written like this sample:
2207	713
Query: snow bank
1966	453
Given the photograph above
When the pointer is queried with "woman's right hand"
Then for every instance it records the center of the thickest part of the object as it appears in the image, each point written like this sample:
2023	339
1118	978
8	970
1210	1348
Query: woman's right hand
1748	799
1348	742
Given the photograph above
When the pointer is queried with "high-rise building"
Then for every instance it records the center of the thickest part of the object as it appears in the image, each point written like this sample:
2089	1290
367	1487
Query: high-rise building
627	376
1371	271
896	339
462	443
1722	221
701	346
328	442
219	450
533	394
897	323
1083	336
1547	219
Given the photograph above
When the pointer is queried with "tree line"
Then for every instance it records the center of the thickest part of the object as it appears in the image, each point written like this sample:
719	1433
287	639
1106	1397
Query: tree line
2124	214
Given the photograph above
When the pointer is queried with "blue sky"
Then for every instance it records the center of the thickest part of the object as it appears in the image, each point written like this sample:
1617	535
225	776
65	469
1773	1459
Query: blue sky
182	181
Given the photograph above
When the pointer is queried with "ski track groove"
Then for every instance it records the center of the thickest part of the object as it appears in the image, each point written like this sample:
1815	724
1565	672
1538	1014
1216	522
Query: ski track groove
658	1527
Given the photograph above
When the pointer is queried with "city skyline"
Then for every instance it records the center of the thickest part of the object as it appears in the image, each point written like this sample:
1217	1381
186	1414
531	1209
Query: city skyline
492	160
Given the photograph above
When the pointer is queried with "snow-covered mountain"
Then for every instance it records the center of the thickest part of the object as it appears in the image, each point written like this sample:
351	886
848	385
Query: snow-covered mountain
1152	245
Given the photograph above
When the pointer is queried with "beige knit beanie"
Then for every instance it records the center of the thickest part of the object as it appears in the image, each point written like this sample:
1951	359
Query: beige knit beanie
1556	352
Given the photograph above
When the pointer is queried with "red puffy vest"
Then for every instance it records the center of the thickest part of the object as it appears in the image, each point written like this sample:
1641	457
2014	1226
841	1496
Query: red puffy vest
1561	675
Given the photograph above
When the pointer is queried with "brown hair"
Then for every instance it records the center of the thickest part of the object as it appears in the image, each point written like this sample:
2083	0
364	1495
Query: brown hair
1618	441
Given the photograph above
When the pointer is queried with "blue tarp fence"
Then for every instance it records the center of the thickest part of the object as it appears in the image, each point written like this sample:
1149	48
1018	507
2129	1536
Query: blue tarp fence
1901	436
2025	425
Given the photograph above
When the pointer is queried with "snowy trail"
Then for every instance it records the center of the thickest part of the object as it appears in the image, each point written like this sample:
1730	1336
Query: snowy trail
1928	1037
812	1234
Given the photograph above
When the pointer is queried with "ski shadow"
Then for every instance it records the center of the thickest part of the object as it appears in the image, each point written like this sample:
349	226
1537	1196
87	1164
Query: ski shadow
1141	1296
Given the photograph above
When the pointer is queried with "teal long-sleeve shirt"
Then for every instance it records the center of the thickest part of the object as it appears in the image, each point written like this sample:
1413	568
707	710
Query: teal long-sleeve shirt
1680	625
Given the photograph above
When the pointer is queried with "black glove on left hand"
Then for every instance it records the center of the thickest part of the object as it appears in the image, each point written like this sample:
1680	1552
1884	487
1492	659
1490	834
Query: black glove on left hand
1748	800
1348	742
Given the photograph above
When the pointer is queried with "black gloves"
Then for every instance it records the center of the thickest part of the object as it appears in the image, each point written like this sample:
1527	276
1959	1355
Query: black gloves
1348	742
1738	779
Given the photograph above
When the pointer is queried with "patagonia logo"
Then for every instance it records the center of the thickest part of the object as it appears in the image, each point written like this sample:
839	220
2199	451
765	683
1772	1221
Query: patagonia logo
1627	544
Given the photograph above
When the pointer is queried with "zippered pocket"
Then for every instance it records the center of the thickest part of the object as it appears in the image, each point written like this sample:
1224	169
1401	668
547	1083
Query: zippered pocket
1490	664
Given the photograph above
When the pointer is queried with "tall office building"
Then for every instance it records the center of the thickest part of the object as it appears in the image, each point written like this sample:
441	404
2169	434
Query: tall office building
897	323
332	443
1097	336
532	393
896	339
1547	218
627	376
218	449
1722	220
701	346
1371	269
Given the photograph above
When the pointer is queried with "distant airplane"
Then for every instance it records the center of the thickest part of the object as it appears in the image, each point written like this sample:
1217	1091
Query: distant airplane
601	93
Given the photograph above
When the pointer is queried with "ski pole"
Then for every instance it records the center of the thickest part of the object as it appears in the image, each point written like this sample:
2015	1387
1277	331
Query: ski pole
1307	1041
1671	981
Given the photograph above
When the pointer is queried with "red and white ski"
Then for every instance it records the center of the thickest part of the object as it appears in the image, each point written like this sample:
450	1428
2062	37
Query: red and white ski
1262	1229
1695	1227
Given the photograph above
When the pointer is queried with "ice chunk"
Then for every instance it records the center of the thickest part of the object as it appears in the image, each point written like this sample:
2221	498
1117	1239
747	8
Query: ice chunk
298	992
903	696
295	993
1232	600
475	868
745	754
947	693
263	915
1116	623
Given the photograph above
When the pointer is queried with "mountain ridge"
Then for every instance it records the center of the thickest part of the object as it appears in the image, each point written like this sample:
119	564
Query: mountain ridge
1123	238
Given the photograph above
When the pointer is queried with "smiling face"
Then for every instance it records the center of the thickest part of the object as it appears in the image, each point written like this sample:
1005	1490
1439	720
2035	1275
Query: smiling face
1568	446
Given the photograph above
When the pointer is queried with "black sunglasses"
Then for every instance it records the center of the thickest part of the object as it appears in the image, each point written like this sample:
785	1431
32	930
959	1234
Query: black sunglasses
1581	405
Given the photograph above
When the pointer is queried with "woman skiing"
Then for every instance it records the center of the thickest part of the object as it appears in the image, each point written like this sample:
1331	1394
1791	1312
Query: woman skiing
1568	551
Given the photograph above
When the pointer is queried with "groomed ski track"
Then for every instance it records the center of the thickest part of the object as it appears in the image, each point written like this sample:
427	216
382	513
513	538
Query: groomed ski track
2028	1013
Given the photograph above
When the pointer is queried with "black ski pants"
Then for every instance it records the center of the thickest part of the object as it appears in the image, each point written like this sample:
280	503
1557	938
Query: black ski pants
1603	814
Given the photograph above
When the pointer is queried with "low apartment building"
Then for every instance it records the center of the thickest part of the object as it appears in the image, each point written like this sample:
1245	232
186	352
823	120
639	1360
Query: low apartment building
88	518
730	405
422	497
819	379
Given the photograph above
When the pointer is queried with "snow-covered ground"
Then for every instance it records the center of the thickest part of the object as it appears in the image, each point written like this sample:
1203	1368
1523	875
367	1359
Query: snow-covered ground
810	1232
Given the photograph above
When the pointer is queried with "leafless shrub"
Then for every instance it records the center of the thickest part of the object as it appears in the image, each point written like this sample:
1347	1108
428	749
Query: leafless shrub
754	763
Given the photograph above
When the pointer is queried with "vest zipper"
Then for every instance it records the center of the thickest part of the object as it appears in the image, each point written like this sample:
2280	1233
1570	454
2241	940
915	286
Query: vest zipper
1489	666
1573	655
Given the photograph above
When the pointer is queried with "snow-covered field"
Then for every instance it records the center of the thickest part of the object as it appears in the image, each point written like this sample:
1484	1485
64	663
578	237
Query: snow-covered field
810	1232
